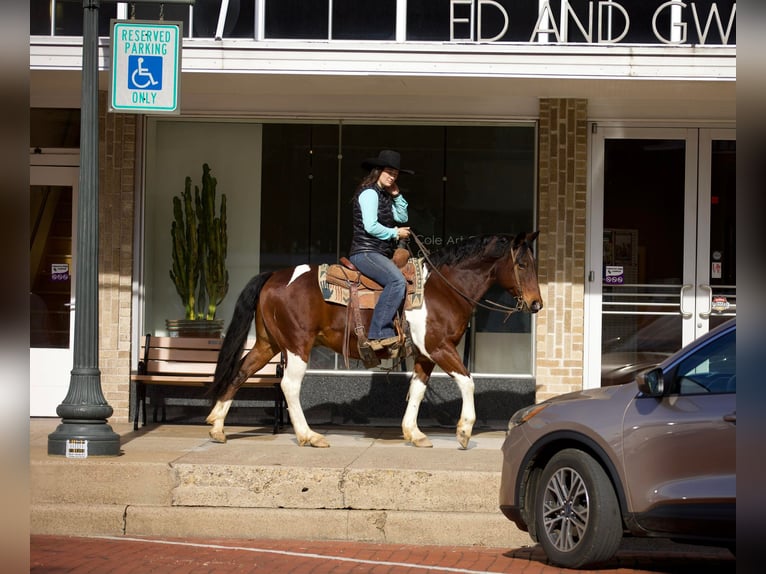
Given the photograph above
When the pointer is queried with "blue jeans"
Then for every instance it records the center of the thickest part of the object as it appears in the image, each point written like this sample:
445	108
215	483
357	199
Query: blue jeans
381	269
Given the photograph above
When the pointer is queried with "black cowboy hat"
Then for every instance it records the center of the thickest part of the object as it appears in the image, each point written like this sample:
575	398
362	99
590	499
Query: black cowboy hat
386	158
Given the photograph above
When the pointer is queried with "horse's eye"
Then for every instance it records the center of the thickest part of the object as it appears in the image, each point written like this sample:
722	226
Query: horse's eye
522	266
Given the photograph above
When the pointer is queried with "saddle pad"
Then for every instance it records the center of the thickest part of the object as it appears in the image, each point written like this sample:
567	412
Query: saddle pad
334	281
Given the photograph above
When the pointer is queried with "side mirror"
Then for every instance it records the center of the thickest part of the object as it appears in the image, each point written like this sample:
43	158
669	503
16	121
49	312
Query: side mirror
651	382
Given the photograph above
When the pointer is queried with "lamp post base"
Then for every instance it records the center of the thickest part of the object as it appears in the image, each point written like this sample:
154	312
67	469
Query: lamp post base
101	439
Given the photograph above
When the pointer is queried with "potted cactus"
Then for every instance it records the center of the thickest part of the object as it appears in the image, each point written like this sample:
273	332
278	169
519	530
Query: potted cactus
199	248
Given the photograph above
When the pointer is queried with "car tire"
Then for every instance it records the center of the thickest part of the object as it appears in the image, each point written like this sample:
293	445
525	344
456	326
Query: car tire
577	516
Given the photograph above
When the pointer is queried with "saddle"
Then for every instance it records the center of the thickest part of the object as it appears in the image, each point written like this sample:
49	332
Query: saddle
342	283
337	279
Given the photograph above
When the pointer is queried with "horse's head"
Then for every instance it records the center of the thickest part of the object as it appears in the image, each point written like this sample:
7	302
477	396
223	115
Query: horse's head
517	272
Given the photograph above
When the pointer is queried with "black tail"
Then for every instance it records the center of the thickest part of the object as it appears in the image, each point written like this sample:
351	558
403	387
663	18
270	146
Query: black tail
230	356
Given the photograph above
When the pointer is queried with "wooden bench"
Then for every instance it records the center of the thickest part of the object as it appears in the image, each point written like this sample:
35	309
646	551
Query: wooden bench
190	362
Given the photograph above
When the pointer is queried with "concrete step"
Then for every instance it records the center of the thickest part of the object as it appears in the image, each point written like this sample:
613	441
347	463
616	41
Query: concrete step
170	480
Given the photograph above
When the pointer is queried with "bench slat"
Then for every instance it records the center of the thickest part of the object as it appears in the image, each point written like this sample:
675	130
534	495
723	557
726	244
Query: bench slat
199	369
179	380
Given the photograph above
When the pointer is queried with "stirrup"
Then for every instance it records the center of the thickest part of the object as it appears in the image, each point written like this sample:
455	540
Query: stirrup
381	344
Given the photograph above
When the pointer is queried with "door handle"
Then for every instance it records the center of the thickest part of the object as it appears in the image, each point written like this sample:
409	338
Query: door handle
706	314
684	314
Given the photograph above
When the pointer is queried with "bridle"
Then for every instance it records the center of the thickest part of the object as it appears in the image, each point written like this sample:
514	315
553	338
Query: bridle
486	303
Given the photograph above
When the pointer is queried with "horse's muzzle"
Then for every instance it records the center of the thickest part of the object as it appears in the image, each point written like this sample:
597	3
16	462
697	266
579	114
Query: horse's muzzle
535	306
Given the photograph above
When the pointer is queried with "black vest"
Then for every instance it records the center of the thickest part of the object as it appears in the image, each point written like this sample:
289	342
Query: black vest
363	241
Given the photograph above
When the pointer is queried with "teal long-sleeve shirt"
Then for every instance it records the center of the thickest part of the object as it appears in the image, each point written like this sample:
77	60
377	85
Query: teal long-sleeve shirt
368	201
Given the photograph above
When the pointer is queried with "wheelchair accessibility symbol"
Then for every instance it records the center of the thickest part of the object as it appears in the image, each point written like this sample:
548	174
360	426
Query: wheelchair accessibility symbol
145	73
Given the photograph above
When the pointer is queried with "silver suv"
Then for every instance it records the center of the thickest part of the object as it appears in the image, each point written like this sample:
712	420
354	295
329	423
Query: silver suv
650	458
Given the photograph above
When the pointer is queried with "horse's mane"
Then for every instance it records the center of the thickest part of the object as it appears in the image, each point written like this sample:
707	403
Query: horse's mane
477	246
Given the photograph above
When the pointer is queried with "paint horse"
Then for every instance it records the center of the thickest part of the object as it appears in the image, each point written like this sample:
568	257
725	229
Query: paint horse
292	317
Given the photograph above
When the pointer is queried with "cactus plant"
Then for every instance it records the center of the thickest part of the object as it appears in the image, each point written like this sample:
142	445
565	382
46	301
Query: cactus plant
199	248
185	270
214	277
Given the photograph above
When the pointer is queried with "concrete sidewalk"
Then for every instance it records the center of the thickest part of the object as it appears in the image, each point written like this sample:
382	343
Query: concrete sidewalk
370	486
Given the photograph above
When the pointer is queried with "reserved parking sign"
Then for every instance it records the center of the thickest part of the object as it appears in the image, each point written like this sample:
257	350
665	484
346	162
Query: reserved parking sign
146	66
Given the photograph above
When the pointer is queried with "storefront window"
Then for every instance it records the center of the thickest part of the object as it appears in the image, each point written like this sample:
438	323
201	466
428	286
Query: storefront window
289	189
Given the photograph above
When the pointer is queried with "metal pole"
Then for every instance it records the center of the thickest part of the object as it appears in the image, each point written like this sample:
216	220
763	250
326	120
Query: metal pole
84	410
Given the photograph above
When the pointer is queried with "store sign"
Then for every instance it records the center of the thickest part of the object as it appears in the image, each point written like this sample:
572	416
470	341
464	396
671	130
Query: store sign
592	22
648	22
59	271
614	275
720	304
146	66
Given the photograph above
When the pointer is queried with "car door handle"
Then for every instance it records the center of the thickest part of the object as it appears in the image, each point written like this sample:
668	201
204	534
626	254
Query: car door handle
732	418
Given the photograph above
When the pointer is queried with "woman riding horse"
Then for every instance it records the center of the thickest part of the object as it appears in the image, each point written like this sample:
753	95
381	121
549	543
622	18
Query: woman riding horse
292	317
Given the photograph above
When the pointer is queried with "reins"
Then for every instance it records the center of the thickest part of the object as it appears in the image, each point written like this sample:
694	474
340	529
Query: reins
486	303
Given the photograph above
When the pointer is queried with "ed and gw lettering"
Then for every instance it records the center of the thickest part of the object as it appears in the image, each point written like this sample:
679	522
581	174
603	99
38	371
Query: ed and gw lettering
604	22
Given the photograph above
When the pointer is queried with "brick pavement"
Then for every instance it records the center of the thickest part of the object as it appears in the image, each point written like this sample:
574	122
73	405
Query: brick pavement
61	554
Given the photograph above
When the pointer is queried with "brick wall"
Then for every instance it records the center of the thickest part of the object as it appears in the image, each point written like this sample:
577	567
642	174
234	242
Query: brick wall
117	164
562	181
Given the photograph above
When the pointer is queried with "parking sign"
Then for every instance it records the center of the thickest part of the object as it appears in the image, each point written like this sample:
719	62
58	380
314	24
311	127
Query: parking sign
146	66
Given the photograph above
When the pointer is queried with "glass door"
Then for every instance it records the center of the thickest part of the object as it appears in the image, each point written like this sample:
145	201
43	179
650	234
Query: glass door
53	198
661	251
717	264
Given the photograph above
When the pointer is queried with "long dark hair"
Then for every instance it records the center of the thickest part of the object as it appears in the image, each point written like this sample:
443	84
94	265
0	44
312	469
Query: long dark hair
369	180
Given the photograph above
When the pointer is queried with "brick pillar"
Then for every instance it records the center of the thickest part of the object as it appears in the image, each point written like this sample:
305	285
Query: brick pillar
117	164
563	145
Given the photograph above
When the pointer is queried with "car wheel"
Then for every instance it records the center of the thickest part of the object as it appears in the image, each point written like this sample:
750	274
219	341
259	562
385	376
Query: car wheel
577	515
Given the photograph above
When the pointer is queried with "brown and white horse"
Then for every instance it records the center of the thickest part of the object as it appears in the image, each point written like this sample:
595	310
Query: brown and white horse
292	317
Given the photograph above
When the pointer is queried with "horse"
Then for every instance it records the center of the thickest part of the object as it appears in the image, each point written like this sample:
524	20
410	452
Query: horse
292	317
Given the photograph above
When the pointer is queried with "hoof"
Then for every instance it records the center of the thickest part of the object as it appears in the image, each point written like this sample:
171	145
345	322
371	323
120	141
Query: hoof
422	442
218	436
318	441
315	440
463	440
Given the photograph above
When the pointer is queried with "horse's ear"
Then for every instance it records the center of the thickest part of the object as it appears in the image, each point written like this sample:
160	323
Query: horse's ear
532	236
519	239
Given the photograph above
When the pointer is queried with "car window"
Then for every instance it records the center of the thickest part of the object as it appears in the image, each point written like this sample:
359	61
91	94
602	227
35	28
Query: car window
710	369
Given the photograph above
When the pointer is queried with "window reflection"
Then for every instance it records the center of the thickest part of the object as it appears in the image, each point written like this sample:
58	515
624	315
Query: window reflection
289	188
468	180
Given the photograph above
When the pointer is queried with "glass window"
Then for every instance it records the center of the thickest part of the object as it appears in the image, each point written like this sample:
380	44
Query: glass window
239	22
176	149
50	258
289	189
54	128
39	17
297	19
711	369
300	198
364	19
428	20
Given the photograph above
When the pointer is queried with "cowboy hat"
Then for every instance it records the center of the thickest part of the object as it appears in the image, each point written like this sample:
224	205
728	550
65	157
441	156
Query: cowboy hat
386	158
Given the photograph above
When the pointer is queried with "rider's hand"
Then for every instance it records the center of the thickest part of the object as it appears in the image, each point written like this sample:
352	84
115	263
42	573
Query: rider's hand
403	232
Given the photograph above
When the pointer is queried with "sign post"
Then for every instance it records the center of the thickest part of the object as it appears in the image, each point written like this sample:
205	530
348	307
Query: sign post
146	66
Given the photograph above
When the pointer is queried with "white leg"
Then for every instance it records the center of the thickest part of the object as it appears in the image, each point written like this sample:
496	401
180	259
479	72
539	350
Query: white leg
410	428
291	387
216	418
468	412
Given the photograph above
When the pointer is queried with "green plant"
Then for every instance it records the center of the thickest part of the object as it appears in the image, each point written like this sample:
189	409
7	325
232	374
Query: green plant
200	244
213	239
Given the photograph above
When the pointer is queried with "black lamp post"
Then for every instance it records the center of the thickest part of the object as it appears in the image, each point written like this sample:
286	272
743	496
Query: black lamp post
84	410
